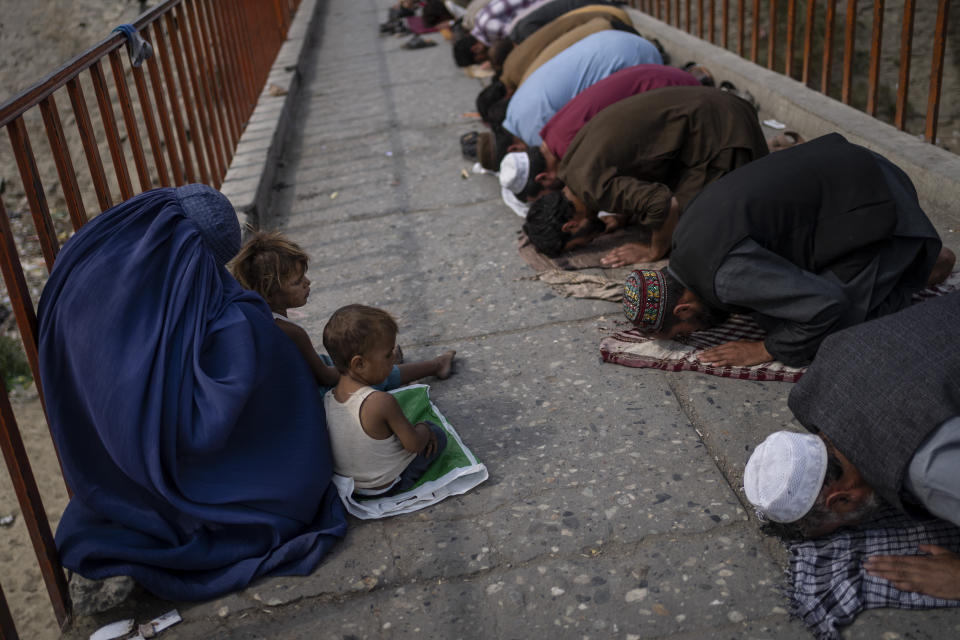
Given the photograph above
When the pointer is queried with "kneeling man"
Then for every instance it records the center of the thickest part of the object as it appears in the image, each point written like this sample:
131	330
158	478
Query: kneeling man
644	158
808	241
884	401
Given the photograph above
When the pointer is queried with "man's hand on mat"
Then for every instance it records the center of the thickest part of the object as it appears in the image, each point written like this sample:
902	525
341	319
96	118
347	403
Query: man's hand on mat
629	253
739	353
937	574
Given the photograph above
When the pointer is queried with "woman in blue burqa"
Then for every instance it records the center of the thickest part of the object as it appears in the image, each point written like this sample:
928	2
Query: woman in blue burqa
190	430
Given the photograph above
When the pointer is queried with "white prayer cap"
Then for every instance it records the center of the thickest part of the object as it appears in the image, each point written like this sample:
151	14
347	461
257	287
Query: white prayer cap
514	171
784	475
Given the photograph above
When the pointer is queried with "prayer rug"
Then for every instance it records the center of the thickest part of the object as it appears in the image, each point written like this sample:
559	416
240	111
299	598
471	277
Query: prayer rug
829	586
564	273
631	348
456	471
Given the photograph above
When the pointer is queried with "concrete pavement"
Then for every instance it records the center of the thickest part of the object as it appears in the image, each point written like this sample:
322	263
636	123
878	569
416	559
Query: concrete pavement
613	508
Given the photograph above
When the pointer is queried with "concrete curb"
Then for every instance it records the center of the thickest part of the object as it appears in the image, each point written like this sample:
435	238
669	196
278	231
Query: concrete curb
250	176
935	172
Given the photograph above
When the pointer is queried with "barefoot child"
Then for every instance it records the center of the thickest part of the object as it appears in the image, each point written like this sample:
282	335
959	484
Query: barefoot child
276	268
372	441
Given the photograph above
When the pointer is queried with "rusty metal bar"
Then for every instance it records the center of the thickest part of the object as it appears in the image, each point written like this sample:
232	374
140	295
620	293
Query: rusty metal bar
725	20
741	24
700	19
19	292
195	63
150	120
828	47
110	128
61	156
243	53
873	80
89	140
196	130
215	105
163	114
207	128
772	37
33	187
237	56
31	506
8	631
906	48
808	41
755	31
849	35
688	18
260	30
713	22
181	129
791	27
130	121
936	71
227	82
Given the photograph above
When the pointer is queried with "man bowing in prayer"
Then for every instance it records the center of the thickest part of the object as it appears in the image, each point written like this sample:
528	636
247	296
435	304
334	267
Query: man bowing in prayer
642	158
883	402
808	241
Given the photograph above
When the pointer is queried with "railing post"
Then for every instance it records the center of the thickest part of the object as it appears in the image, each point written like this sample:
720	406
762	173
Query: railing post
936	71
906	48
848	41
874	74
34	515
808	41
772	36
791	26
36	196
8	631
828	48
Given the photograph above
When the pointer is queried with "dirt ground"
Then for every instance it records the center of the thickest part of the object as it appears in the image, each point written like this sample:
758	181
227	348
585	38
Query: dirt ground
35	38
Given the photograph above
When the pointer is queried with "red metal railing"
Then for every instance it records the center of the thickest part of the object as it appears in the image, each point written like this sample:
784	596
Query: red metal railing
820	17
181	124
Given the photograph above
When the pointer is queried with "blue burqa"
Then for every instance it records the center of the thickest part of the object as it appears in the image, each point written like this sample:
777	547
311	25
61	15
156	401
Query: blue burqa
190	429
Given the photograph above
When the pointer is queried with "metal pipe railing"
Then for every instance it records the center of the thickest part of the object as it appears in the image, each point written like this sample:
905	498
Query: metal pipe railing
775	21
182	123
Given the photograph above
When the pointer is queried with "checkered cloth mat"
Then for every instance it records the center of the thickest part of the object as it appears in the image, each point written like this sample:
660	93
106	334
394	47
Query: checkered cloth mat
631	348
829	586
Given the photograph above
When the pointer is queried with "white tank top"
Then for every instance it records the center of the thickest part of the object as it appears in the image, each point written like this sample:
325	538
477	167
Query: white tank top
370	462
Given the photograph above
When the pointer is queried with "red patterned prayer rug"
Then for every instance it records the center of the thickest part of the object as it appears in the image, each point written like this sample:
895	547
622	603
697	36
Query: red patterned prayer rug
632	349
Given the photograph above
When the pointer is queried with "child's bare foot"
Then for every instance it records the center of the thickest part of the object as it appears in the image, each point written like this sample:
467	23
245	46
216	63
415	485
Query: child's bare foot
445	365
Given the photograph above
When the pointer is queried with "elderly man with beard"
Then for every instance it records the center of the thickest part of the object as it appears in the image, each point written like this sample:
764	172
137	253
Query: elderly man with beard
883	402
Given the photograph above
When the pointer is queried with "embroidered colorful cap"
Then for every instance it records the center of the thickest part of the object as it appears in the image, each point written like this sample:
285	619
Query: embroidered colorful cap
644	297
784	475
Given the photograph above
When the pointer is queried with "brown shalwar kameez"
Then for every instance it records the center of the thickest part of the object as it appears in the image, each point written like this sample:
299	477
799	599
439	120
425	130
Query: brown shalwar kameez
638	152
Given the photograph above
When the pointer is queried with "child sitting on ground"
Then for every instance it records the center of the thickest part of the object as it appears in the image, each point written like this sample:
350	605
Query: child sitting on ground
276	268
372	441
